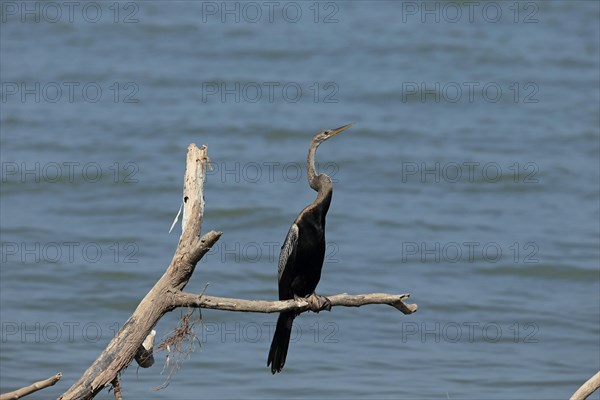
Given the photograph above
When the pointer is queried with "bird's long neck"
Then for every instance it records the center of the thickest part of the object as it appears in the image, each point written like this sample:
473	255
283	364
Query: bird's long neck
310	166
320	183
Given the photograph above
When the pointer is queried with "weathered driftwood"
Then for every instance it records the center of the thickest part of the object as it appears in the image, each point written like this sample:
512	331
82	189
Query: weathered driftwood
263	306
116	386
166	295
34	387
123	347
587	388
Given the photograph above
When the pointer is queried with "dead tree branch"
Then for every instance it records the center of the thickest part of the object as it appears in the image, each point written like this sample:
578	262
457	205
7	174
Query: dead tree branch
262	306
191	248
166	295
117	389
17	394
587	388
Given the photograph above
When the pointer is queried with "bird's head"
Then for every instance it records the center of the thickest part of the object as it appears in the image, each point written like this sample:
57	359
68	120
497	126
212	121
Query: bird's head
322	136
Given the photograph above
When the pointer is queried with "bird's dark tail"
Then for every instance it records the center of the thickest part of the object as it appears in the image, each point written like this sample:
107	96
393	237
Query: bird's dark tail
281	341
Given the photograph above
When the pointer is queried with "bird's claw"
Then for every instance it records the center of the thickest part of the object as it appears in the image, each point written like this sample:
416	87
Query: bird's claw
318	303
326	304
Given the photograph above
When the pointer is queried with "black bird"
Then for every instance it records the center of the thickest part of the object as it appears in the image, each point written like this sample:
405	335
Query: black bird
302	254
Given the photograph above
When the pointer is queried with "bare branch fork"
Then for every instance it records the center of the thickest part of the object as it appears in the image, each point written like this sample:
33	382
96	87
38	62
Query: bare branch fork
167	294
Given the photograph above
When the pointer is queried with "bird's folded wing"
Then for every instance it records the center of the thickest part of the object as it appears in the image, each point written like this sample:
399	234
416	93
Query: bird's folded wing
288	250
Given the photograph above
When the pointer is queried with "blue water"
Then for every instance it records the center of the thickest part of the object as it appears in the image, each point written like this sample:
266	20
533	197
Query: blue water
470	180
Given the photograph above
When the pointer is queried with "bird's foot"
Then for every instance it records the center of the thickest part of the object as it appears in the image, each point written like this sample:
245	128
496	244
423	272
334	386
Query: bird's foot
318	303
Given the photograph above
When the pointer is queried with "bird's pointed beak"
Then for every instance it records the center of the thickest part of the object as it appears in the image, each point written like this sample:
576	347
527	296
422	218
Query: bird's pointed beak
339	130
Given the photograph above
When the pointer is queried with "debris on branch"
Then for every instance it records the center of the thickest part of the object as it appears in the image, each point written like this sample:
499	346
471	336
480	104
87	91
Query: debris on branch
178	345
